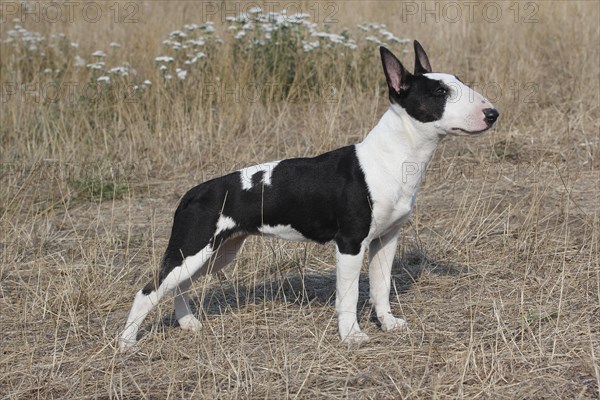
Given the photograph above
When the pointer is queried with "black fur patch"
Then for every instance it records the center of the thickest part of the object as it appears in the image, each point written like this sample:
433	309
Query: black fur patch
421	98
324	198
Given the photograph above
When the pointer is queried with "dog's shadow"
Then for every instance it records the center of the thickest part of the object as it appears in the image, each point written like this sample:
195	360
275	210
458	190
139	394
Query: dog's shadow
304	288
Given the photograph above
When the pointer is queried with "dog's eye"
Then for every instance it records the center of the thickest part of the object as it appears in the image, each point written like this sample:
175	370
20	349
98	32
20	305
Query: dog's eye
441	91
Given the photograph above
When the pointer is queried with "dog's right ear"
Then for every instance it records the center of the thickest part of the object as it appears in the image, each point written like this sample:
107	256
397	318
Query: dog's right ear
395	73
422	64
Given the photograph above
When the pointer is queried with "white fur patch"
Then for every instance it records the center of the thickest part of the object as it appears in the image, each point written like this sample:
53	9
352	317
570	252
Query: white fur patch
247	173
224	223
184	272
282	232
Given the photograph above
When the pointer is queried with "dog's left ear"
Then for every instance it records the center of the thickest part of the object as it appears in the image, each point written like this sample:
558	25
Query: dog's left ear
395	73
422	65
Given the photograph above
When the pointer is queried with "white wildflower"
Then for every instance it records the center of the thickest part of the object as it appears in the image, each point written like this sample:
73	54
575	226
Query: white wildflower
195	59
165	59
97	65
178	34
105	79
309	46
114	45
208	27
181	73
374	39
198	42
191	27
311	26
391	37
147	83
75	45
333	38
99	54
123	71
267	28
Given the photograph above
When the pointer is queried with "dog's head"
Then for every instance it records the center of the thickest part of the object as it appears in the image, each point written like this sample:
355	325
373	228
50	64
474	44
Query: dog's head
440	101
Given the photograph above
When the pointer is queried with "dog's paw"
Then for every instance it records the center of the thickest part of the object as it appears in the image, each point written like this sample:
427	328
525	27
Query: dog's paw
356	339
390	323
190	323
128	346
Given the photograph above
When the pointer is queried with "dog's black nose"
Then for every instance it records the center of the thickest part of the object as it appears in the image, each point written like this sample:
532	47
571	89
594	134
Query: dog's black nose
491	115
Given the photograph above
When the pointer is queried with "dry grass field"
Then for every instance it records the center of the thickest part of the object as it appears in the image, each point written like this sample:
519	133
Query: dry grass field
497	273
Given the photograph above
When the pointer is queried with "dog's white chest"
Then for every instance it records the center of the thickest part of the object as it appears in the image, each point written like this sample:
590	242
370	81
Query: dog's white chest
390	215
403	208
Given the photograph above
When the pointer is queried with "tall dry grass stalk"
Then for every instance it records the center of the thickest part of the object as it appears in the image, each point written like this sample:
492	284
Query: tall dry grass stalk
498	272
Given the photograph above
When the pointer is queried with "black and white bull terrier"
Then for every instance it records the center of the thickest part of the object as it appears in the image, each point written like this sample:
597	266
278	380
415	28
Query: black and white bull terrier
356	196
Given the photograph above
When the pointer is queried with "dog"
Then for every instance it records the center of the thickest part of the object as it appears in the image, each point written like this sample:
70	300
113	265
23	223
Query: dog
357	196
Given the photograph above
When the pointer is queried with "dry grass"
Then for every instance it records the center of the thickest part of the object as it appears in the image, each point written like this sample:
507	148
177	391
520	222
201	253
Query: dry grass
498	272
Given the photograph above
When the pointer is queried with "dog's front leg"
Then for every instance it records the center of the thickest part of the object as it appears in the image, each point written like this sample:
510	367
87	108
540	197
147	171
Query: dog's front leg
381	256
346	299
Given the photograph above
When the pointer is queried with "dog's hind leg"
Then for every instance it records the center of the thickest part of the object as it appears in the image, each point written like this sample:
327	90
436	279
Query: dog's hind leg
224	255
147	298
190	248
183	312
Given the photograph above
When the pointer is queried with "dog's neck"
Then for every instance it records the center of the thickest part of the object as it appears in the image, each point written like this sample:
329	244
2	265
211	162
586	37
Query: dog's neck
400	147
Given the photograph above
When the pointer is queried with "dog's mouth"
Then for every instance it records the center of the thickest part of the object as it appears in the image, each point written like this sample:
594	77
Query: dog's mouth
467	132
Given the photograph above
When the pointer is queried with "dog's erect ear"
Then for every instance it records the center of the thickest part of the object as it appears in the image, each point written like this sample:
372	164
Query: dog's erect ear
395	73
422	65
